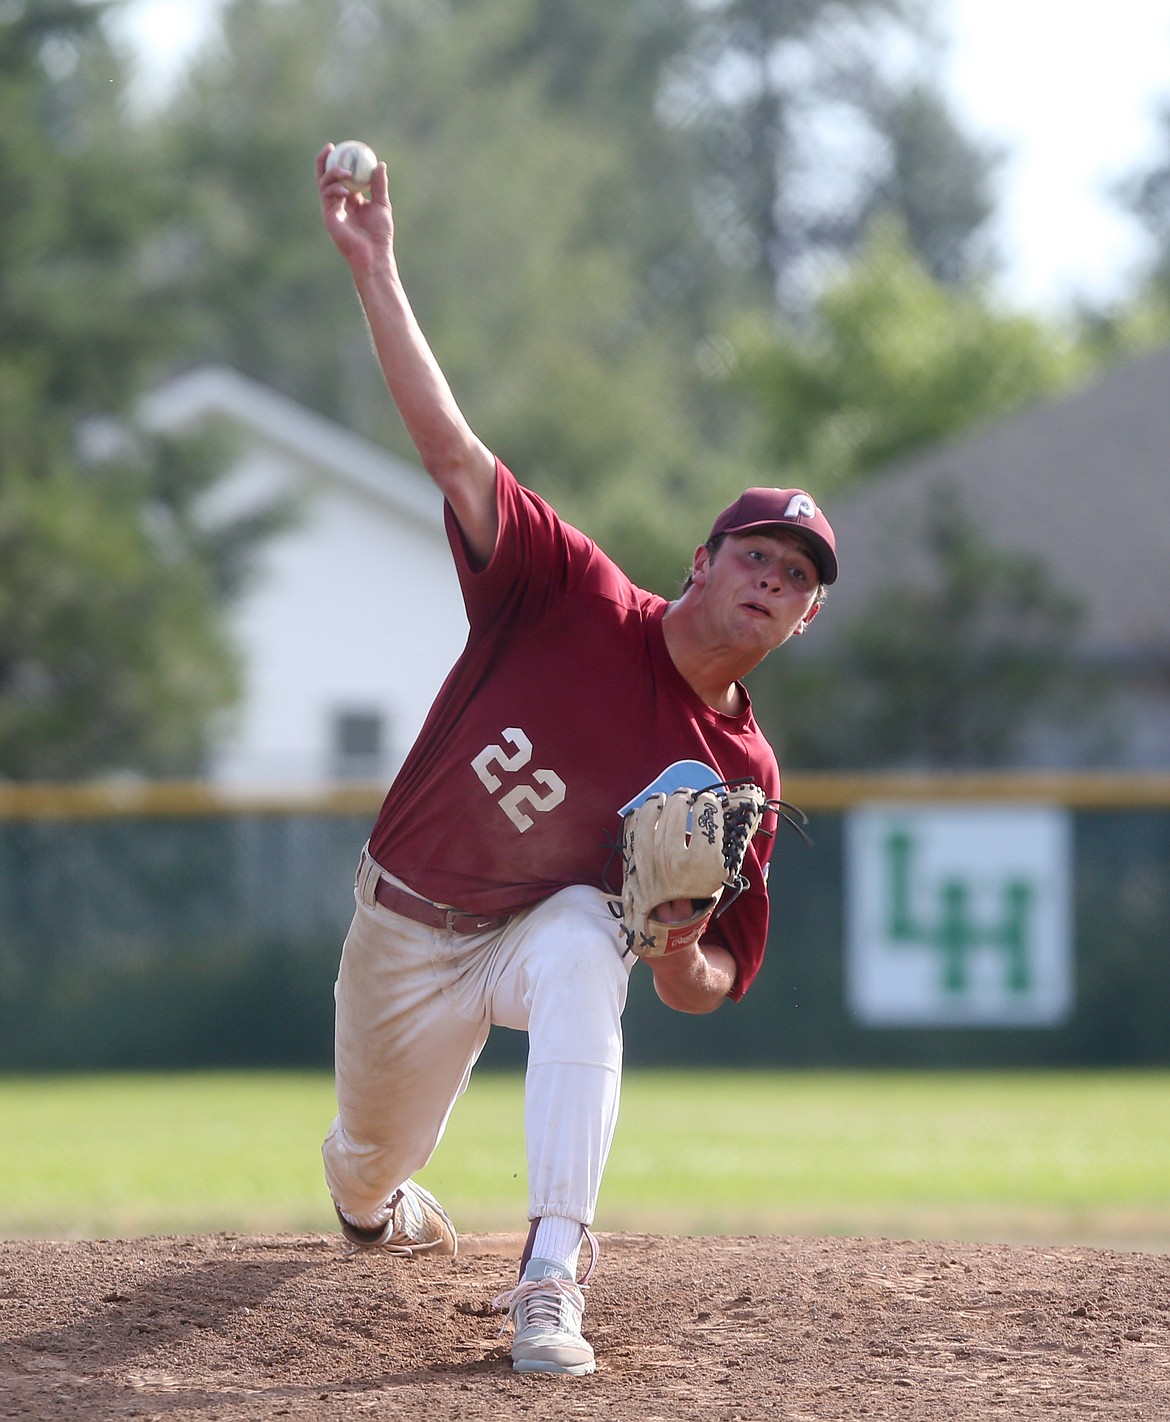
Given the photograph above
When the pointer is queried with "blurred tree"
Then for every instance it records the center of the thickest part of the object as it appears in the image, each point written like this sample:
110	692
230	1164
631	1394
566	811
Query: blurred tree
958	671
934	179
815	116
571	351
109	659
606	68
569	218
890	361
81	310
1140	319
1146	195
111	653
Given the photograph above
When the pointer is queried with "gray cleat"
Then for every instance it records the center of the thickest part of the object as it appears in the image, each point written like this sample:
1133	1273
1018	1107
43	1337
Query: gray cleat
417	1224
545	1309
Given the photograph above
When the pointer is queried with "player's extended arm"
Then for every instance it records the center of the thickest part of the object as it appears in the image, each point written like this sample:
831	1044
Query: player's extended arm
462	466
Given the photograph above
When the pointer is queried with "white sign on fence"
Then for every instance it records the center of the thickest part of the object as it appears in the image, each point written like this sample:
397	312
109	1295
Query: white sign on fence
958	916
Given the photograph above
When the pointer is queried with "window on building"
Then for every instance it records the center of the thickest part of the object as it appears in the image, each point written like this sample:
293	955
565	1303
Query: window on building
358	745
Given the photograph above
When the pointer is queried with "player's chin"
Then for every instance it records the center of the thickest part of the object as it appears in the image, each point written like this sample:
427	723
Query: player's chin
777	630
762	634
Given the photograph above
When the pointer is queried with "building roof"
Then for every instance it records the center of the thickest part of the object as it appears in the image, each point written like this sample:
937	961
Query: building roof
213	391
1082	483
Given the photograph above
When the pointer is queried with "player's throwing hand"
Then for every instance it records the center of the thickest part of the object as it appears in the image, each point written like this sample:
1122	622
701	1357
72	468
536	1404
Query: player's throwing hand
361	225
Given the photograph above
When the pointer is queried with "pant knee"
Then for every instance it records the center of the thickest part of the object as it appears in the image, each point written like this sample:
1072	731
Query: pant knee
577	996
362	1175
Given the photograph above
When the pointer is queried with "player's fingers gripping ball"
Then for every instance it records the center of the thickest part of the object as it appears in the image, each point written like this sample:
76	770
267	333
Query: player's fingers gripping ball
356	158
689	844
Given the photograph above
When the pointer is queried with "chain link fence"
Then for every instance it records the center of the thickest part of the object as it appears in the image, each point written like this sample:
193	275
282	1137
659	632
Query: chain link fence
165	927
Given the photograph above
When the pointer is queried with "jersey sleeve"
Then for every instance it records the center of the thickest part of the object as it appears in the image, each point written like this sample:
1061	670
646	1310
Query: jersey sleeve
537	558
743	928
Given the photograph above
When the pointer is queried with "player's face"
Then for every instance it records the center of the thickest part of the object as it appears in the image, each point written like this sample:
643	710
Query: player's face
760	587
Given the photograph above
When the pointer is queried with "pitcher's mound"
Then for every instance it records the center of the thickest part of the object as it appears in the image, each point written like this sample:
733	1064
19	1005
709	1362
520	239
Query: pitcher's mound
233	1327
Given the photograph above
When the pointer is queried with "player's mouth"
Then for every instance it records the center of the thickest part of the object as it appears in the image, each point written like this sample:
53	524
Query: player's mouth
757	609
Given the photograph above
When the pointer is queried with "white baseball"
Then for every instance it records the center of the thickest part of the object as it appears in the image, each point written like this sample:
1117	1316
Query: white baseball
357	158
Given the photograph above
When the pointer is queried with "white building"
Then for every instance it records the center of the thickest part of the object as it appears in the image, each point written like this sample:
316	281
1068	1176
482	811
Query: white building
353	617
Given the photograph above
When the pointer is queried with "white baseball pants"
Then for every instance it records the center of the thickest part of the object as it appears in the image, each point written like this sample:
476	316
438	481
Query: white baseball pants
414	1007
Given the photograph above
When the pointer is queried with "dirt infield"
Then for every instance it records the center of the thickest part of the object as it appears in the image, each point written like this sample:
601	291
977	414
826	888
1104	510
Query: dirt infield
248	1327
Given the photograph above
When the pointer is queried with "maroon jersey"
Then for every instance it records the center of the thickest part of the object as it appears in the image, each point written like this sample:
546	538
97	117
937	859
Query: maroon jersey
564	704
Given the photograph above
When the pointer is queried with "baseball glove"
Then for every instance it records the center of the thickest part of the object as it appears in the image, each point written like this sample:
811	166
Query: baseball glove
689	844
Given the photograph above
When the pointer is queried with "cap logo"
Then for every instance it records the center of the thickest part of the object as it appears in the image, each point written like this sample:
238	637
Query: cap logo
800	506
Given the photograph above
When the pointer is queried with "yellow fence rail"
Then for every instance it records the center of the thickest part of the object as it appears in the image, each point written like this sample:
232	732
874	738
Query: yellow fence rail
192	799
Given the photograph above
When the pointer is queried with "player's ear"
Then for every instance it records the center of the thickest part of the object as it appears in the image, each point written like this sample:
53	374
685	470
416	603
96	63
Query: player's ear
807	618
702	561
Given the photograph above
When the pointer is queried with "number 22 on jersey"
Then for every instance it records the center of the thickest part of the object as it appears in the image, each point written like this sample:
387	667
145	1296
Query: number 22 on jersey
523	796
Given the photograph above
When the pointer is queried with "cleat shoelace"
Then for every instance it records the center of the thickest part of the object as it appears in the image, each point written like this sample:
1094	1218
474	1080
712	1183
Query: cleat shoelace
544	1299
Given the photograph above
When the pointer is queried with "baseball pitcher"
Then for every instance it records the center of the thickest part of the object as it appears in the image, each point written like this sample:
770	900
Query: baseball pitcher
540	838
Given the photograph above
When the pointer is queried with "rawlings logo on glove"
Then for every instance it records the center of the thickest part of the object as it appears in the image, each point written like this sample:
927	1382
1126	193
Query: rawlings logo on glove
685	845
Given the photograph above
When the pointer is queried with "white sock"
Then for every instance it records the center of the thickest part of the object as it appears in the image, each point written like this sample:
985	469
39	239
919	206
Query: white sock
559	1241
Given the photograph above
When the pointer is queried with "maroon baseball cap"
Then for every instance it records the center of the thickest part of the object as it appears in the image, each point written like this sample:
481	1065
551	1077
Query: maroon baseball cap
791	508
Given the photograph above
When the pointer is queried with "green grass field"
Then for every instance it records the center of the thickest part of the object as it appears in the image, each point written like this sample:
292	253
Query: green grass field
1053	1158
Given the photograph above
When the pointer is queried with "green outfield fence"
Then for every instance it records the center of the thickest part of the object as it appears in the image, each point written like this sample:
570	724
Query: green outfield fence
174	925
